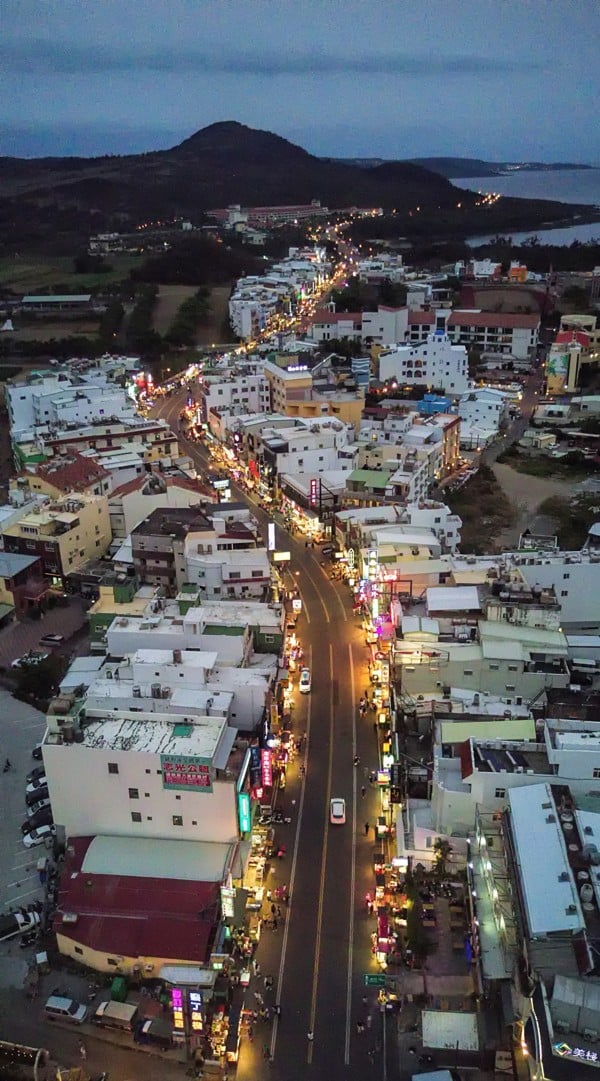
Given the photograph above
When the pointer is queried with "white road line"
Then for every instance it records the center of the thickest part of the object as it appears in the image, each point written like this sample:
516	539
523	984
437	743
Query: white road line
292	873
20	896
294	580
319	594
313	1003
352	870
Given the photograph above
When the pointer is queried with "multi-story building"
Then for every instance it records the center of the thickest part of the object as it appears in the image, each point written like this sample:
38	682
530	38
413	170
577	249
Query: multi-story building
484	409
70	472
358	526
436	362
65	534
133	501
55	399
514	333
154	439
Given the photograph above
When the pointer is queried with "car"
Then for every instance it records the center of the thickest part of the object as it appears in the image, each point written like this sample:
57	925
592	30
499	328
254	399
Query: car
327	550
43	817
38	836
35	808
37	751
36	784
337	811
33	656
305	681
37	771
52	640
37	795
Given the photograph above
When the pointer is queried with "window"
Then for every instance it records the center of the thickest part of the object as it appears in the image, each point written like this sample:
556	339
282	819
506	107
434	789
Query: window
510	687
513	668
146	795
564	592
596	771
500	793
134	793
235	574
148	771
78	949
136	816
177	797
468	672
177	820
113	767
494	667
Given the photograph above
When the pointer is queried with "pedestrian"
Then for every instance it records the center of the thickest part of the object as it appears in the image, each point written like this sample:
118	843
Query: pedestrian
82	1051
303	771
369	1020
366	829
250	1033
266	1051
363	791
277	1009
274	924
259	998
269	895
365	1000
278	913
362	703
310	1036
273	909
375	729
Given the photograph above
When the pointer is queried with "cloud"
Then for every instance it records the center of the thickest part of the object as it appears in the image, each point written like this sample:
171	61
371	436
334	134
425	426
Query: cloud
39	57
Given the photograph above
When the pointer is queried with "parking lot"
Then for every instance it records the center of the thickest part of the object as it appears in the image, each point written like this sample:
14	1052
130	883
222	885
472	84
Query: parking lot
21	727
23	635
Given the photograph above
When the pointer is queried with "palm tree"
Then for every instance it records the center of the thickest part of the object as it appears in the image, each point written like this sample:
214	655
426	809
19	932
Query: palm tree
443	850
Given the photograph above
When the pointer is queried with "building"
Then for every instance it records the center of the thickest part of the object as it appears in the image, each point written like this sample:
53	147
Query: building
514	333
132	502
70	472
66	304
435	363
484	410
328	325
154	440
23	586
64	535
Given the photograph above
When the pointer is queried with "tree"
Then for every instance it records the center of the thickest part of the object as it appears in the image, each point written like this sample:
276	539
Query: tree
40	681
442	852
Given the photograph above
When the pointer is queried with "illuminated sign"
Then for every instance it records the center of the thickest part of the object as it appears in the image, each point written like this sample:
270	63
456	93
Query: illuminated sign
244	817
350	558
180	771
314	492
298	368
266	763
297	604
564	1050
271	537
196	1016
282	557
227	903
177	1007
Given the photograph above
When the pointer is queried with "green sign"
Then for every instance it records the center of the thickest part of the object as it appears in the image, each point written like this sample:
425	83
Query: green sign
244	816
374	979
182	771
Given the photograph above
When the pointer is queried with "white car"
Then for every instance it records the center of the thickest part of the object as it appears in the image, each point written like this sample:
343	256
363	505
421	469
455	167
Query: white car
337	812
37	782
305	681
38	836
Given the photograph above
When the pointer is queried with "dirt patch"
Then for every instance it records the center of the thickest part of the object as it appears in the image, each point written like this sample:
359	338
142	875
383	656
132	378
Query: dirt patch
170	297
212	331
526	493
45	332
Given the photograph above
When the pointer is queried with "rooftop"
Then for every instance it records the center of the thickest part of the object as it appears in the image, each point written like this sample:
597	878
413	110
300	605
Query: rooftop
199	737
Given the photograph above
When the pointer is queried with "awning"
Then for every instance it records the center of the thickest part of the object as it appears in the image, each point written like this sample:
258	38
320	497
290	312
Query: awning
190	975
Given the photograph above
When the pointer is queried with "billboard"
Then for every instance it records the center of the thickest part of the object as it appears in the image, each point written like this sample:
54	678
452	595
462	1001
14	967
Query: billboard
558	364
184	772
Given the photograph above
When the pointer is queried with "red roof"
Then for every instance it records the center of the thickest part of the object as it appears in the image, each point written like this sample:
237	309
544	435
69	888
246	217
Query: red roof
136	917
325	316
71	471
478	319
171	482
565	337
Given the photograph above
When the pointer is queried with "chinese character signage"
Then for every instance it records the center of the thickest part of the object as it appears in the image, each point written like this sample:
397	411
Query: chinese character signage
195	999
314	492
185	772
244	818
177	1007
227	899
266	762
580	1054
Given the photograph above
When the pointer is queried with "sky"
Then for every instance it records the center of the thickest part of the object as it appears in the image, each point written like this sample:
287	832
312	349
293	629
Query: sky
493	79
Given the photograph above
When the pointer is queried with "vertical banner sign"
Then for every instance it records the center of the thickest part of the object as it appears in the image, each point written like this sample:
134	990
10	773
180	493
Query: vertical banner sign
244	817
314	492
195	998
227	901
271	537
177	1007
266	768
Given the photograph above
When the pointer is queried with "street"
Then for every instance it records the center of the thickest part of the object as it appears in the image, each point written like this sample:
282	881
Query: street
326	945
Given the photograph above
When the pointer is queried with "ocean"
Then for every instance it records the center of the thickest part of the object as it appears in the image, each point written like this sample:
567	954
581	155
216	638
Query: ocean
562	185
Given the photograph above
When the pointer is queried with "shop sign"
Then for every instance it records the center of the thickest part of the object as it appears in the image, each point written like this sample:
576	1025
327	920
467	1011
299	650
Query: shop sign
177	1008
314	492
271	537
196	1017
282	557
227	902
581	1054
181	771
350	557
266	763
297	604
244	816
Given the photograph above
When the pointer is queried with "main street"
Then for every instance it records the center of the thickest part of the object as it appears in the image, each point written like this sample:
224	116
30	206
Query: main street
326	940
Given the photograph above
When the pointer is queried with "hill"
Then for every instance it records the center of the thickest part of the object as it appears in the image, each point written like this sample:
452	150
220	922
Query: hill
465	167
58	198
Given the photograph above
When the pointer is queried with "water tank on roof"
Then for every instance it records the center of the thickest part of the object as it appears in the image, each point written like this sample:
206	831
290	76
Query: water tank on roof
586	893
155	690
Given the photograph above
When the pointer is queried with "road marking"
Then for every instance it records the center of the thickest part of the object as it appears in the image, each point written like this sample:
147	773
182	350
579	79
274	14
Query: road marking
292	874
313	1002
317	590
20	896
352	869
305	611
335	593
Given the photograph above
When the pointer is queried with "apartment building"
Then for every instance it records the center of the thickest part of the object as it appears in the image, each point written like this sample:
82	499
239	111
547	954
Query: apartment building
70	472
484	409
132	502
55	399
357	527
234	574
65	534
514	334
289	383
153	439
233	394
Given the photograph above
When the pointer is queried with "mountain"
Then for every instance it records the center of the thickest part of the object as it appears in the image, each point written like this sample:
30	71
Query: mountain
466	167
218	165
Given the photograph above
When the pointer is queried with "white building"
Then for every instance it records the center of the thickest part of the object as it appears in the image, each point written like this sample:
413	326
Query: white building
239	574
57	399
356	526
386	326
247	393
484	409
436	362
513	334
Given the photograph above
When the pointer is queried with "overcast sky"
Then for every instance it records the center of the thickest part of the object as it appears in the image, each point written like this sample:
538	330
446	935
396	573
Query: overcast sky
496	79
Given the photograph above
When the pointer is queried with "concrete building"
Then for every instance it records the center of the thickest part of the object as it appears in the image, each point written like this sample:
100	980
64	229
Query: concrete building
436	362
65	534
514	334
484	409
356	527
66	473
132	502
153	438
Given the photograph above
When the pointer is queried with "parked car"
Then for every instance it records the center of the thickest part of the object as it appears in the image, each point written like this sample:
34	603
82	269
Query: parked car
33	656
37	771
36	784
37	752
43	817
37	795
305	681
39	806
52	640
65	1009
38	836
337	812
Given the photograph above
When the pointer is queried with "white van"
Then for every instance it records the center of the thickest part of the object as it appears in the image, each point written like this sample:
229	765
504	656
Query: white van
65	1009
116	1015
